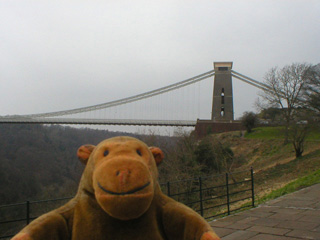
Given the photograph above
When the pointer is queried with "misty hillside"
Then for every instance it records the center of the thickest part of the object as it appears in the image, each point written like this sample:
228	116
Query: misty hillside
39	162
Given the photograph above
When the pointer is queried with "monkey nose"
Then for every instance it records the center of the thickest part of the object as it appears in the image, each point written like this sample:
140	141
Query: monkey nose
123	176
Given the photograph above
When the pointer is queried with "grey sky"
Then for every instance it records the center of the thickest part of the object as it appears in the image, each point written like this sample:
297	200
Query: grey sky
57	55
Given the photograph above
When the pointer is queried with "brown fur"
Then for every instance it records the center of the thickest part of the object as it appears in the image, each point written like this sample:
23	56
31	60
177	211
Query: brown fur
119	198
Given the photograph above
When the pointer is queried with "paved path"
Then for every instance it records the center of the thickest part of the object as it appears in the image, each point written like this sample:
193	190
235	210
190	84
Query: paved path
291	217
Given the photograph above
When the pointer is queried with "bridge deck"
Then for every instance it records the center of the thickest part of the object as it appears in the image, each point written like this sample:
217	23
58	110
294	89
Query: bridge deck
76	121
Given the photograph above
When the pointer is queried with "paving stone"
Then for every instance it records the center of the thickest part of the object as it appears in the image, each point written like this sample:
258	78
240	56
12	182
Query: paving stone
312	212
304	234
271	237
269	230
268	222
291	217
316	205
220	224
316	229
233	218
290	211
300	196
249	219
310	219
296	203
266	208
258	214
286	216
240	235
298	225
221	232
240	226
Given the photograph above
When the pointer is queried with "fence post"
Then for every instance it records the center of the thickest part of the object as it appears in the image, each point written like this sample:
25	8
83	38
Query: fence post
228	197
28	212
200	195
252	186
168	188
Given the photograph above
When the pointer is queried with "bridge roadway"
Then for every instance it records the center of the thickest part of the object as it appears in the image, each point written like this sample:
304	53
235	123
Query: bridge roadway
88	121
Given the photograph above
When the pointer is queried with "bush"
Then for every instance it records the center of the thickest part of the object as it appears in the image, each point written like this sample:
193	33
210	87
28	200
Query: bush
249	120
213	155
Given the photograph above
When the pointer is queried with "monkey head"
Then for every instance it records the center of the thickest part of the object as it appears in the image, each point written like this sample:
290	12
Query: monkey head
121	173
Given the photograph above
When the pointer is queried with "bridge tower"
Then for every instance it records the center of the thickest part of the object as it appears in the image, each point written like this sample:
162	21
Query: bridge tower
222	101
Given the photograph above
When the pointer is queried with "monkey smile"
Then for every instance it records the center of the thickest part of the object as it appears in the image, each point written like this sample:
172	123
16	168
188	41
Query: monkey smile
124	193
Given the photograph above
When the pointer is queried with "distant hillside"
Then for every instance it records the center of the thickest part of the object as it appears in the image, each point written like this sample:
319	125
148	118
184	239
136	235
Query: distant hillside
39	162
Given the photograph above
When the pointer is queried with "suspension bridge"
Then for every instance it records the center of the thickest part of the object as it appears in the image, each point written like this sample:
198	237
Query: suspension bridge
143	109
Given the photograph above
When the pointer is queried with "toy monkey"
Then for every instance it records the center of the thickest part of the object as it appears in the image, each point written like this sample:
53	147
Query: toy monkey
119	198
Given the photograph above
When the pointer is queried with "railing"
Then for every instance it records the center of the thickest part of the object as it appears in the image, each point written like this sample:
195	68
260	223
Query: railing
215	196
14	217
211	196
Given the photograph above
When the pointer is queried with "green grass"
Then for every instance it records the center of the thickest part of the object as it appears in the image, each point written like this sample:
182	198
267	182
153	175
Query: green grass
298	184
314	135
278	133
266	133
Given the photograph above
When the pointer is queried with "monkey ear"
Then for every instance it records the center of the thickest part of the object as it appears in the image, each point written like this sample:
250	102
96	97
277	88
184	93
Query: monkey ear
157	154
84	153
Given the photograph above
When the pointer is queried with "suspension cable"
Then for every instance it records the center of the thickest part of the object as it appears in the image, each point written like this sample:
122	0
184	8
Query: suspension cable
128	99
249	80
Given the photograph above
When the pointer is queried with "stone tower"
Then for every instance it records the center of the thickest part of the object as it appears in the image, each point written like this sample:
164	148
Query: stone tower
222	101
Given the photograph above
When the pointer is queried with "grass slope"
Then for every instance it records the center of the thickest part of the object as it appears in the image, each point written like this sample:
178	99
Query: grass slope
285	173
296	185
277	170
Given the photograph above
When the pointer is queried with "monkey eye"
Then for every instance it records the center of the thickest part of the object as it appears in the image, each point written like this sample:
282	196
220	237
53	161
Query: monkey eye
139	152
106	152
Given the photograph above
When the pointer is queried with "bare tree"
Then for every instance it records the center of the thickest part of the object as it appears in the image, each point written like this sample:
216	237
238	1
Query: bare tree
312	90
285	89
298	133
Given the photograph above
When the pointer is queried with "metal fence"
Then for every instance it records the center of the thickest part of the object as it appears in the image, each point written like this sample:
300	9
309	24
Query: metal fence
211	196
214	196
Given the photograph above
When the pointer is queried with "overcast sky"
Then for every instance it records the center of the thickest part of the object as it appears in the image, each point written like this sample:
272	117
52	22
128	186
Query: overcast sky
57	55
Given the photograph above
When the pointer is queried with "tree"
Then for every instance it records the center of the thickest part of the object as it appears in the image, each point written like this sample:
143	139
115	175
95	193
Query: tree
249	120
311	92
285	88
298	133
300	128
